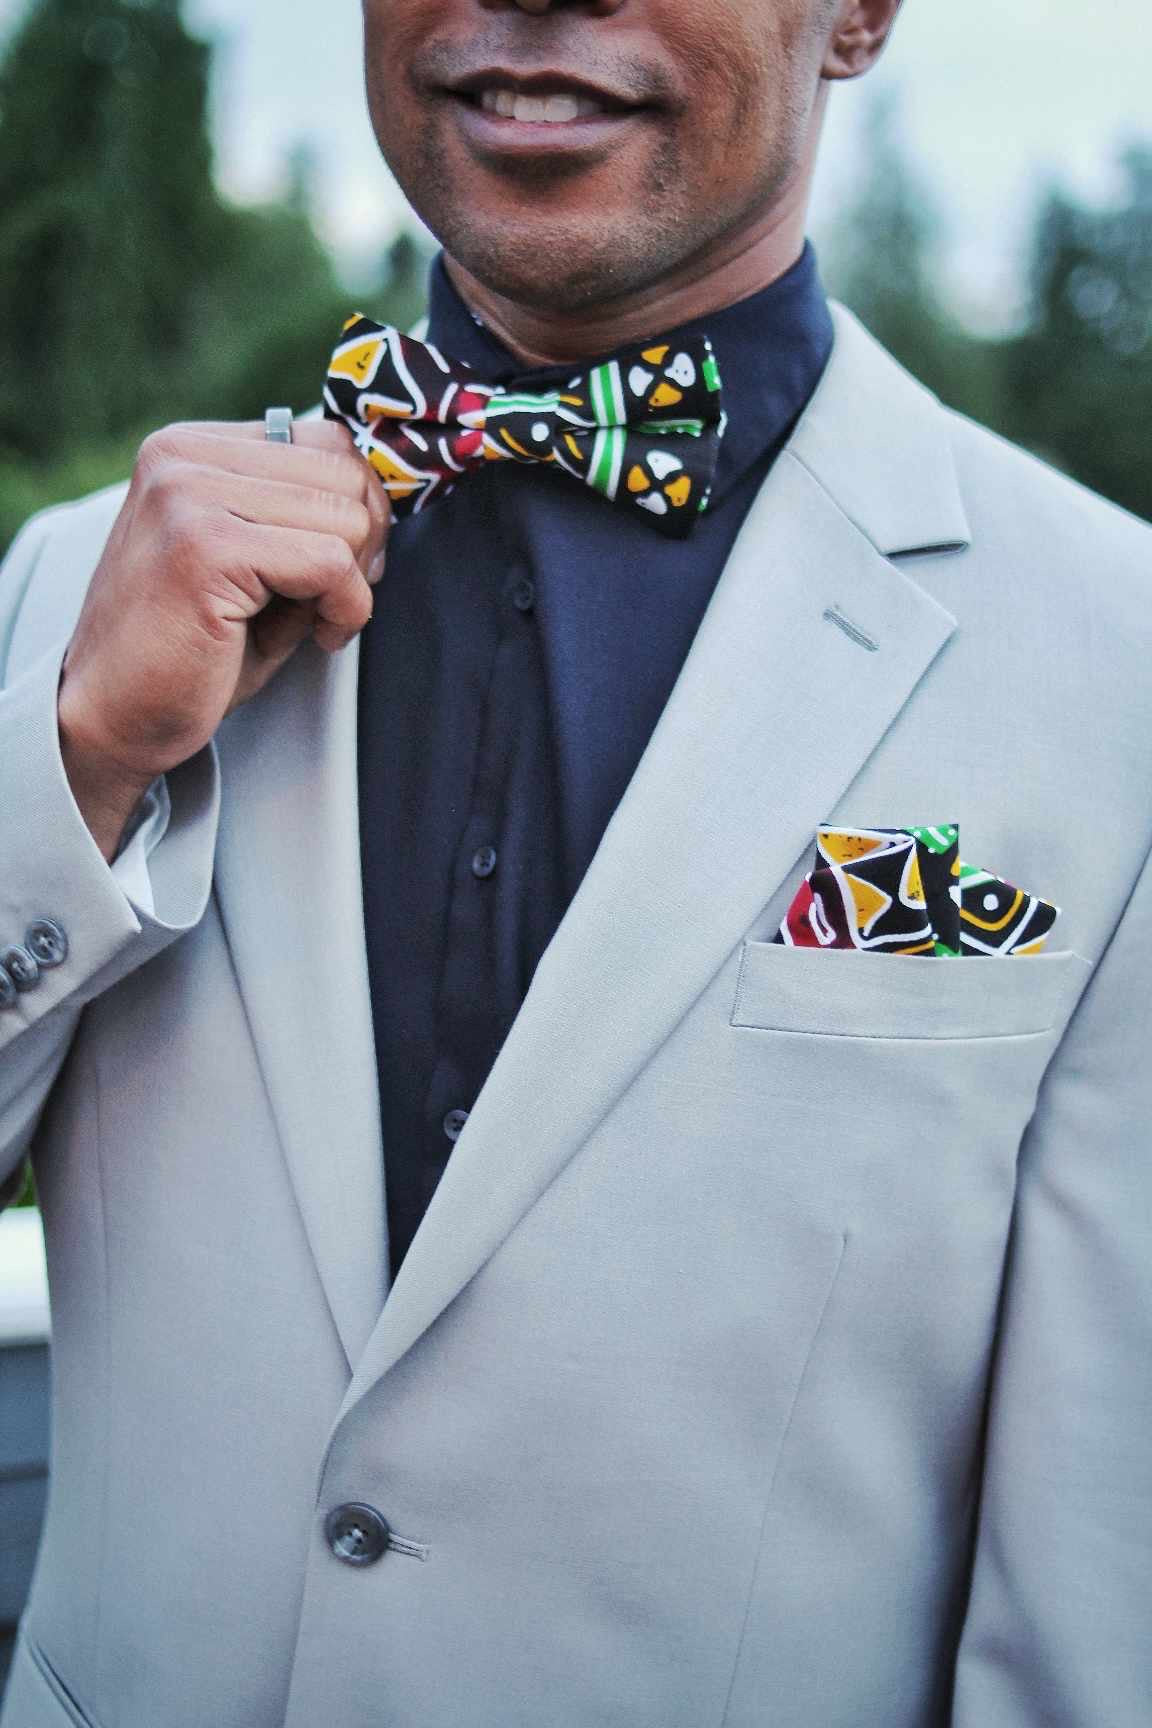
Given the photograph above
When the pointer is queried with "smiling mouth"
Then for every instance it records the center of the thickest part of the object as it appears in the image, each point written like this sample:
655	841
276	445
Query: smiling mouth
500	100
559	108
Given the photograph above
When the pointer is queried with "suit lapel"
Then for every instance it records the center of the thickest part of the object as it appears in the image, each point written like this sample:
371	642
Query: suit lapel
288	888
811	646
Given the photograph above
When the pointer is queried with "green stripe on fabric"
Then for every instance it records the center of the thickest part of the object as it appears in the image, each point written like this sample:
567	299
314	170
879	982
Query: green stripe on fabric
972	877
524	404
601	396
616	386
607	460
668	428
939	839
618	439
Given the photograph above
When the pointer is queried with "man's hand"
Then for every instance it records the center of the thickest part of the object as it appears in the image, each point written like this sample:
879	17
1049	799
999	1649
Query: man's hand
229	551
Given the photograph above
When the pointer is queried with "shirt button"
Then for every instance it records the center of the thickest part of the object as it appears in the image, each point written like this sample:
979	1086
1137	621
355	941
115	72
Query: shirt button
484	861
356	1534
454	1123
524	594
8	991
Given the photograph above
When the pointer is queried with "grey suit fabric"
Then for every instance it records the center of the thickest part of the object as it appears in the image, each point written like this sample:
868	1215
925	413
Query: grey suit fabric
777	1350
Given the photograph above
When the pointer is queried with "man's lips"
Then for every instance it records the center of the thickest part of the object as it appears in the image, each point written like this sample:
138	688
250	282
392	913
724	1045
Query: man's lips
546	84
539	113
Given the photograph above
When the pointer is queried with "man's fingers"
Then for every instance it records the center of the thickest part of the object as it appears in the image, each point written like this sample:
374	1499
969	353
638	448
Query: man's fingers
217	500
329	441
302	566
379	508
326	461
309	434
334	464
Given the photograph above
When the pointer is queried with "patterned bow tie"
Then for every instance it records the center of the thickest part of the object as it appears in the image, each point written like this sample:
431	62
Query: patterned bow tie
643	429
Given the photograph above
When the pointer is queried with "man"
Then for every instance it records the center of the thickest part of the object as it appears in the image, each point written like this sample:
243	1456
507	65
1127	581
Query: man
766	1333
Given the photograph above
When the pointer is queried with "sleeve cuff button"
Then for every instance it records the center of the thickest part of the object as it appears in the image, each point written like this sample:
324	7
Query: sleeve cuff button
21	967
46	943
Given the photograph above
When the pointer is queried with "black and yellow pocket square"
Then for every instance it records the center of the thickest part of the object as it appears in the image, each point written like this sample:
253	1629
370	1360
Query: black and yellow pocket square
908	891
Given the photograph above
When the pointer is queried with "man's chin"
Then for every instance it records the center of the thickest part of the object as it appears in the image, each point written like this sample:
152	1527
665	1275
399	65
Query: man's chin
558	266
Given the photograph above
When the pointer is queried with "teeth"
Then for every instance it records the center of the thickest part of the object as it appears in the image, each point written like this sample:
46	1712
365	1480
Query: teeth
559	110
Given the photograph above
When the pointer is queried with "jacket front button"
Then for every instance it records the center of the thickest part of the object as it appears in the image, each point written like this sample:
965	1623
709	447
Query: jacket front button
356	1534
20	967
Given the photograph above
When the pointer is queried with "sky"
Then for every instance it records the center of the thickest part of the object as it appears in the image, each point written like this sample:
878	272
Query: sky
998	98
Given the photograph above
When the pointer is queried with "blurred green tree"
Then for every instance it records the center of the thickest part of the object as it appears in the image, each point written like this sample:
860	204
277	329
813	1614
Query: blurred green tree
400	296
1079	377
131	293
108	213
880	250
271	312
1075	383
879	258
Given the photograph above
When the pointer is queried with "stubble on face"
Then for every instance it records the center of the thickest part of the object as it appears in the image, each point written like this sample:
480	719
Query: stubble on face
731	90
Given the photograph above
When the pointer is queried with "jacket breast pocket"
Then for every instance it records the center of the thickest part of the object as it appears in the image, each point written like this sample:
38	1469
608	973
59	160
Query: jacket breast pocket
845	993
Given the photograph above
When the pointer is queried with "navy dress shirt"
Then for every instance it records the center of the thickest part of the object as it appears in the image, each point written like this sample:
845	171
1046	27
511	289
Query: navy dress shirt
526	636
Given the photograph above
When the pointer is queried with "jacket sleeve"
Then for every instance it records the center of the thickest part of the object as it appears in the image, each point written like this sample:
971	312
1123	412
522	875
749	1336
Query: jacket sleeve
52	872
1057	1633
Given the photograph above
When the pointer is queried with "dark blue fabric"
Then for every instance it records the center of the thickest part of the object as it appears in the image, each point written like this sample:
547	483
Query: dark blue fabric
526	636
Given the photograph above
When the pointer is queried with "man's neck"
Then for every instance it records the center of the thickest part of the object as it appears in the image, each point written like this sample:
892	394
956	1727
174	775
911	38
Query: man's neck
733	269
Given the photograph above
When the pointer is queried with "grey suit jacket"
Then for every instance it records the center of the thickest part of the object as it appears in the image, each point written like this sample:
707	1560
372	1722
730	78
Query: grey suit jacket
777	1350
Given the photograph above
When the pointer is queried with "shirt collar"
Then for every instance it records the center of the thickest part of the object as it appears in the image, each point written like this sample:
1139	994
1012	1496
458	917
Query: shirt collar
771	349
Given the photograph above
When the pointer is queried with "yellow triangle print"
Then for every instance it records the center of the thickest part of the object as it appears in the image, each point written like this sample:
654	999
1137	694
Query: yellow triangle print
399	481
377	410
638	481
679	491
398	484
843	848
655	356
869	901
359	362
665	395
912	886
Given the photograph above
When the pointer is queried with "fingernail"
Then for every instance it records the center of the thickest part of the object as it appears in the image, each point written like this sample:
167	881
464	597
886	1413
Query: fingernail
376	568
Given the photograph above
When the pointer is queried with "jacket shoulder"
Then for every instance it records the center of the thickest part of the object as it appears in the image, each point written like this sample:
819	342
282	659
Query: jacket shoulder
1028	509
1053	594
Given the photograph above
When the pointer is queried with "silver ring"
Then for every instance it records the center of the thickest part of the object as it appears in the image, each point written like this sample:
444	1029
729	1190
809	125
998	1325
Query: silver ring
278	425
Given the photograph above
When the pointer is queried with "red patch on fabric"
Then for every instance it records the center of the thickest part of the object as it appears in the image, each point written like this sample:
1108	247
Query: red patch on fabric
470	402
799	919
466	445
